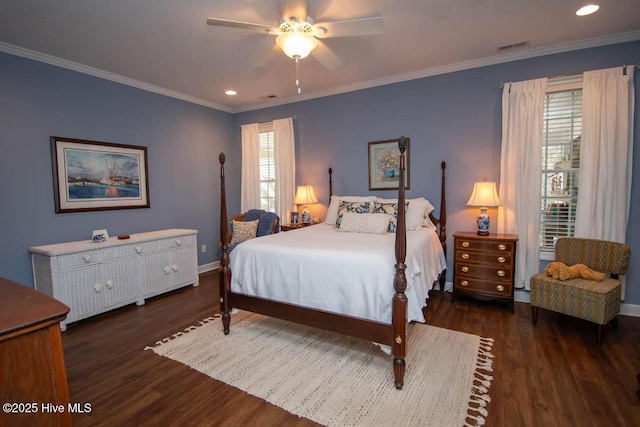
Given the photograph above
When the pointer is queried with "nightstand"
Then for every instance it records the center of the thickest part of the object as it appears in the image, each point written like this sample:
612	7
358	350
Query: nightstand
288	227
484	266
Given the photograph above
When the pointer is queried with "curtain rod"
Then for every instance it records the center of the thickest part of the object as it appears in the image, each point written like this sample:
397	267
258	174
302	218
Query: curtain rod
559	76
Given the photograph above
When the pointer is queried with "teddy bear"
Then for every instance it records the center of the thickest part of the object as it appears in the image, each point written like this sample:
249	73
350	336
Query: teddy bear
561	271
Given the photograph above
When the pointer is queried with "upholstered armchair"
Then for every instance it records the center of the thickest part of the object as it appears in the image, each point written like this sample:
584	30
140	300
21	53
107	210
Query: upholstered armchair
591	300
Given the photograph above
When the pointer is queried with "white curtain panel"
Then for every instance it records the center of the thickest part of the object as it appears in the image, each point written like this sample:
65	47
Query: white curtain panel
250	178
285	166
606	154
521	172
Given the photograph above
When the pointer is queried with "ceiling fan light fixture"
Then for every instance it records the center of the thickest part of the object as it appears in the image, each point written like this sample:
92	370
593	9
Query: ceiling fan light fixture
296	44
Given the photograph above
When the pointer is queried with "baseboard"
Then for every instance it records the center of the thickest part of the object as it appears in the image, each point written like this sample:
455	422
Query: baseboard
208	267
521	295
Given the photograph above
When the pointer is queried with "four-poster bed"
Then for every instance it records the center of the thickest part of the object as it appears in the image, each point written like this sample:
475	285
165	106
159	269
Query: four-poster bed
390	332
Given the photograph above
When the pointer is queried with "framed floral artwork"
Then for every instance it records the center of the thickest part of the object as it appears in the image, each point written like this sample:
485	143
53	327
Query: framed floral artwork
96	176
384	165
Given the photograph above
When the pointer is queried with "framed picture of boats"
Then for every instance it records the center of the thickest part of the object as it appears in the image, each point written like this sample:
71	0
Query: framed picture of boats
96	176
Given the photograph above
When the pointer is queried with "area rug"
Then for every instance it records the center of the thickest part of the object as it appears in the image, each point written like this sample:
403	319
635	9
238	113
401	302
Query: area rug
337	380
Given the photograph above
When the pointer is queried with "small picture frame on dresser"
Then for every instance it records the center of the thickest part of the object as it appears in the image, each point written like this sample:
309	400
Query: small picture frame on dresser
294	218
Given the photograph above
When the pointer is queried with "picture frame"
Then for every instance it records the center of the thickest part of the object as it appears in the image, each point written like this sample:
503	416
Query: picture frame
97	176
384	165
294	218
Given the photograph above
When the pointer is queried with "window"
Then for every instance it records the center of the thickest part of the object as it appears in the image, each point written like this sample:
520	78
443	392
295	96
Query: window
561	134
267	168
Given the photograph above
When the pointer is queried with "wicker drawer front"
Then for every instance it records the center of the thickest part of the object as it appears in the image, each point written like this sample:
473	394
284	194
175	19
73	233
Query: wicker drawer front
483	286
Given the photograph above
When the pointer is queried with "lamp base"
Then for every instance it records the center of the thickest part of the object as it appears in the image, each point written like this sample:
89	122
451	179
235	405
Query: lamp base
306	217
483	223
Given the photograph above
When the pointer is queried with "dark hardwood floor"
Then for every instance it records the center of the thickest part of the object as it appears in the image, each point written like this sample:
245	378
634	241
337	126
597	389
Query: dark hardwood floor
553	374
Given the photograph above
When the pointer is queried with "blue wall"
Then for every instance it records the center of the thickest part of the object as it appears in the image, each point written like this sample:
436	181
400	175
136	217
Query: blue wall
454	117
183	141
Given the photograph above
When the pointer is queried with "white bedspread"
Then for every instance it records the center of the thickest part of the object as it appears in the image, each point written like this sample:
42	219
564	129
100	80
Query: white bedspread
345	273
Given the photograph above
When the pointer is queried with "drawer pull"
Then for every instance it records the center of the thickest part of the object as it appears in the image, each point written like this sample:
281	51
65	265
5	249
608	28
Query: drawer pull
86	258
465	256
174	267
109	284
138	249
464	283
464	269
465	244
167	269
501	273
97	287
500	288
178	242
502	247
501	259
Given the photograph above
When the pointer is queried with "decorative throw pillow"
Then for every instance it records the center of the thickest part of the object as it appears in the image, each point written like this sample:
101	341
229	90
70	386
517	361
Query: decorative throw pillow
372	223
390	209
357	207
332	211
243	230
417	212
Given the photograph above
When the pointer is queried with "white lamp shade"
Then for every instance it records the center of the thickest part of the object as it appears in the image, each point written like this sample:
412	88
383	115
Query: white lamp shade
484	195
296	44
305	195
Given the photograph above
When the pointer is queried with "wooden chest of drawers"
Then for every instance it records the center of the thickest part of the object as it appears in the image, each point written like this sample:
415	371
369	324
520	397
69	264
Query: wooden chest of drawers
484	266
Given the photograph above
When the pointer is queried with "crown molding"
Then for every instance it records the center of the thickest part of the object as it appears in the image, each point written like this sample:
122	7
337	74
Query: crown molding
458	66
95	72
429	72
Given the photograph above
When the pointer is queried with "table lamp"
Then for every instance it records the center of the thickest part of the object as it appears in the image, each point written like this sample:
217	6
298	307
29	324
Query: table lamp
485	196
305	196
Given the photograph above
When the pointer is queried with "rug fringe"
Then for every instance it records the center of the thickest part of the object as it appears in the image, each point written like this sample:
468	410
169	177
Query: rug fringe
479	398
184	331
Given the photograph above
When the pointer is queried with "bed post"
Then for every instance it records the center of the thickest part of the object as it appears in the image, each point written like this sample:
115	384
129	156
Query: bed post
225	273
443	225
399	308
330	184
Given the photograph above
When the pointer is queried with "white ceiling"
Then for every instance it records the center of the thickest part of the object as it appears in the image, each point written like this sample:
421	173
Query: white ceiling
166	46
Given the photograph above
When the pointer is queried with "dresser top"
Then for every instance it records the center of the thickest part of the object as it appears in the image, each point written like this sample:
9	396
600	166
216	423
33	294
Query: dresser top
89	245
475	235
22	307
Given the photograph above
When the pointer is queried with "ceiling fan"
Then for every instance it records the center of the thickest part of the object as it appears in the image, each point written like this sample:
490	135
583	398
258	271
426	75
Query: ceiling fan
298	36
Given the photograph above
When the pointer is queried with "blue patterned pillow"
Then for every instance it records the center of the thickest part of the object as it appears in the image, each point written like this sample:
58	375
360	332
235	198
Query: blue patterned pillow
356	207
390	209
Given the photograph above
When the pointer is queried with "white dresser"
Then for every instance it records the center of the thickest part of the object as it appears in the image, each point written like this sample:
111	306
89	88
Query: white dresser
92	278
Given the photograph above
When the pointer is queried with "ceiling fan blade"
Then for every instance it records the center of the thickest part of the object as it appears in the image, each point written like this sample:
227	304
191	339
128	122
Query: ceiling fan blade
326	57
294	8
267	57
351	27
268	29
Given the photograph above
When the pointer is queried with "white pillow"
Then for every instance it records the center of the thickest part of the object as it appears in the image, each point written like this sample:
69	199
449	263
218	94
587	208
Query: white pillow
417	214
243	230
332	211
372	223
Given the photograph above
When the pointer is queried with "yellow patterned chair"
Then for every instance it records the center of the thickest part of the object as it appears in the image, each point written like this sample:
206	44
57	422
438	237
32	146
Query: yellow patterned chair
597	302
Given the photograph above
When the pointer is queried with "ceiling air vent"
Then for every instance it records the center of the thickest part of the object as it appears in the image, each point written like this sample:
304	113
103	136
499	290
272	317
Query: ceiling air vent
513	46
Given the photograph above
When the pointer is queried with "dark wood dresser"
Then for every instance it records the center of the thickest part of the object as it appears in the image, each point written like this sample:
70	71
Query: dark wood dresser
484	266
33	379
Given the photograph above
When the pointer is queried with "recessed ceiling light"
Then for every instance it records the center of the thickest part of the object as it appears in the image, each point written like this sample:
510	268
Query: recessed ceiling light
230	92
587	9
